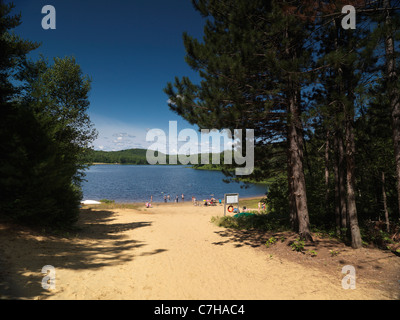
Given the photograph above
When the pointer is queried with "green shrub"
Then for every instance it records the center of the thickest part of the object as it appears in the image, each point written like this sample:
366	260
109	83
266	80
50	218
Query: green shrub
298	245
334	252
312	253
271	241
106	201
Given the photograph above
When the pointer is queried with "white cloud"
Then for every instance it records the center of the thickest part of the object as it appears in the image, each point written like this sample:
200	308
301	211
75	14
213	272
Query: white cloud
123	135
115	135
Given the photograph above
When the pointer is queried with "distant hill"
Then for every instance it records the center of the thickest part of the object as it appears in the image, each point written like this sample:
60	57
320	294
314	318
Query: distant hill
138	157
130	156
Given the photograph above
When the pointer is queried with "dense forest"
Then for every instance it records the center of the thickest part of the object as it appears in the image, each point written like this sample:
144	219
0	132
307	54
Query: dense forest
322	83
44	131
131	156
139	157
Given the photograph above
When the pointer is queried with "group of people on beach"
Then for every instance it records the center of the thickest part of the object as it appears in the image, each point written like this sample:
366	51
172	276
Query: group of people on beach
207	202
167	198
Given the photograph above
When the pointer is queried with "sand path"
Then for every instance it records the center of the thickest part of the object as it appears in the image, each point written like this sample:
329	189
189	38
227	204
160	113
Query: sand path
167	252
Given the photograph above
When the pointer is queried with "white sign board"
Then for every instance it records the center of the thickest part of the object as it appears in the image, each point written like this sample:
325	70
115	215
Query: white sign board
232	199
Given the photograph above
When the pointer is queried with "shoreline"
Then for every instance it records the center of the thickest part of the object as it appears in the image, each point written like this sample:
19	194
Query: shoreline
189	201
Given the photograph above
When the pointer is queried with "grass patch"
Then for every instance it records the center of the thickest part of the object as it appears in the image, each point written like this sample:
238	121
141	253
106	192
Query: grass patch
106	201
249	203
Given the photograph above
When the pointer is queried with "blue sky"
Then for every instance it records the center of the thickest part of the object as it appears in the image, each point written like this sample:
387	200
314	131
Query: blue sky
130	48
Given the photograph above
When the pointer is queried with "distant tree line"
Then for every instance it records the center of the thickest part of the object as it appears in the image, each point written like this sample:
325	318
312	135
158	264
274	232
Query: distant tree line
328	98
44	131
138	157
131	156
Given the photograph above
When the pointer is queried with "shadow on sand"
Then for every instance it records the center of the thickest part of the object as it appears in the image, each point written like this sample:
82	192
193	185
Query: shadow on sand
240	238
256	238
97	243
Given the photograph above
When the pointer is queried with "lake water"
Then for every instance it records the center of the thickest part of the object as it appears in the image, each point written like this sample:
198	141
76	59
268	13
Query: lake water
124	183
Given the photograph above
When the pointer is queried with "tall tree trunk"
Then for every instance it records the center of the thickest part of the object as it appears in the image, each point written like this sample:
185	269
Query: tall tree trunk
393	92
337	178
342	183
346	74
356	241
295	145
291	196
299	182
385	203
341	216
337	184
327	191
339	136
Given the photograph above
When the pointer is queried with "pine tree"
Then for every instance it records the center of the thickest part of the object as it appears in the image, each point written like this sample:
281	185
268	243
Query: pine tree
252	61
346	62
13	51
391	32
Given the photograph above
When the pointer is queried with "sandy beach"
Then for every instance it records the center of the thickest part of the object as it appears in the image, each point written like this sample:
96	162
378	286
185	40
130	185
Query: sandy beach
167	252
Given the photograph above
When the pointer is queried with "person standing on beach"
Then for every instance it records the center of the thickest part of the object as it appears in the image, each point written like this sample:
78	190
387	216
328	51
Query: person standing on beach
165	199
183	198
168	198
177	199
151	198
